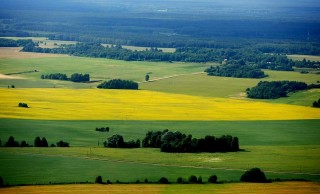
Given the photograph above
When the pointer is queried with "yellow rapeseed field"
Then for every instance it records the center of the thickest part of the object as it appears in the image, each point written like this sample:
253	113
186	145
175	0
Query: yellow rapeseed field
98	104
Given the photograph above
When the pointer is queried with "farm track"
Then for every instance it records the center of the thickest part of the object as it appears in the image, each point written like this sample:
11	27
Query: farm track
88	157
171	76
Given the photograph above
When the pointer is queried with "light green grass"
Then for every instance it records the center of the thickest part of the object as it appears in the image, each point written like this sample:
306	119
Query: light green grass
301	57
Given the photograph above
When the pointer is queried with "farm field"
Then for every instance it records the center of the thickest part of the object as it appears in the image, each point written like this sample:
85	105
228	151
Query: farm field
282	187
279	136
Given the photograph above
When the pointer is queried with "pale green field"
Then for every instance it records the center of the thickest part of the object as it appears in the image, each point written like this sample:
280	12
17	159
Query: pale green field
307	57
99	69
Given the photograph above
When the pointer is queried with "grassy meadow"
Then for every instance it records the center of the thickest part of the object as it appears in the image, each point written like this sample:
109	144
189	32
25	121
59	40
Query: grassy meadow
280	136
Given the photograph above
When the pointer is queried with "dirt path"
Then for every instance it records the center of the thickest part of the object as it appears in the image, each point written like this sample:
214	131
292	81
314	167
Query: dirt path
2	76
171	76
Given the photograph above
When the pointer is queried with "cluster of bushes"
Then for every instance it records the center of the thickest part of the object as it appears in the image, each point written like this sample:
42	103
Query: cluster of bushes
316	104
23	105
275	89
76	77
236	70
103	129
119	84
116	141
38	142
169	141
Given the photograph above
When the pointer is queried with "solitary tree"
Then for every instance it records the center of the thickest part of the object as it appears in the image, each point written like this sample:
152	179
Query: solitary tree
1	182
163	180
98	180
193	179
147	77
213	179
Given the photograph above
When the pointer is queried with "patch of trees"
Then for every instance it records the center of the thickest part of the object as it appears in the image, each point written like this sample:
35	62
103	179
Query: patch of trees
316	104
13	143
63	144
76	77
23	105
236	70
55	76
254	175
103	129
119	84
275	89
117	141
169	141
307	64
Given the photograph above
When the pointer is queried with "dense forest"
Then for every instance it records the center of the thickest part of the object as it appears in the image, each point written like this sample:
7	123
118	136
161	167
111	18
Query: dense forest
166	23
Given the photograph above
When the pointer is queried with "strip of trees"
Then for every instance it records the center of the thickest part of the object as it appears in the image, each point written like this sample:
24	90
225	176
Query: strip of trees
249	56
169	141
119	84
76	77
38	142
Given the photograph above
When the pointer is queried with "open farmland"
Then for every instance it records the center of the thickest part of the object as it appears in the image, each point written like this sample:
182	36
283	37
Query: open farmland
280	138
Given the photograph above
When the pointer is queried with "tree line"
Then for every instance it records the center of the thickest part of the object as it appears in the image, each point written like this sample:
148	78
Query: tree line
75	77
169	141
276	89
38	142
253	175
